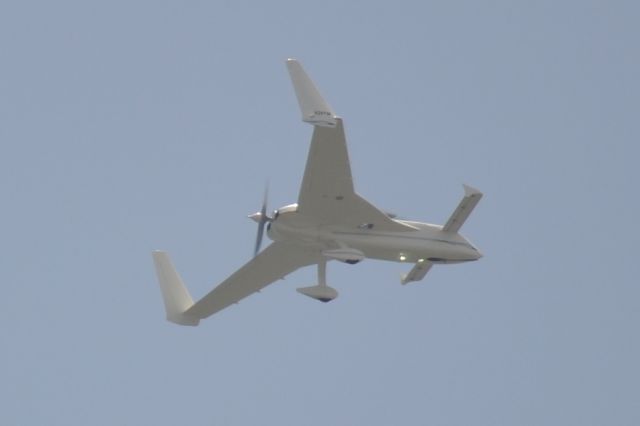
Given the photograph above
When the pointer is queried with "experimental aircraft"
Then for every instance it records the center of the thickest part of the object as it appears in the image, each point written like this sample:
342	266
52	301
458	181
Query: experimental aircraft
330	221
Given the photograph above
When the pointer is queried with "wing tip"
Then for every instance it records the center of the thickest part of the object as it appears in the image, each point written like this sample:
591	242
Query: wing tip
176	297
314	108
470	190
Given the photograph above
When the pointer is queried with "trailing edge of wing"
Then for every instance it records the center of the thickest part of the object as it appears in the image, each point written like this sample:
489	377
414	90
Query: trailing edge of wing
471	198
327	193
314	108
273	263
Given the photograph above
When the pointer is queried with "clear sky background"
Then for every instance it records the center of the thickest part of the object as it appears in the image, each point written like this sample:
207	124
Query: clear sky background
128	126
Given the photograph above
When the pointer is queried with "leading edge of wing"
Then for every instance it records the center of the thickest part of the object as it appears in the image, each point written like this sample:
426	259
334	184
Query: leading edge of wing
273	263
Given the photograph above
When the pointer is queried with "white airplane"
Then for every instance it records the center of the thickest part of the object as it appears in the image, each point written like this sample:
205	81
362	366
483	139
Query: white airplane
330	221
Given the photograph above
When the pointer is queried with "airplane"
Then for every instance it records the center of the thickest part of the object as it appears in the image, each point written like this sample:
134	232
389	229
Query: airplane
330	221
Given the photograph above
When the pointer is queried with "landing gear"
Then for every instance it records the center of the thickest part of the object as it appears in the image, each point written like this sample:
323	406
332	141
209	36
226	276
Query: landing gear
321	291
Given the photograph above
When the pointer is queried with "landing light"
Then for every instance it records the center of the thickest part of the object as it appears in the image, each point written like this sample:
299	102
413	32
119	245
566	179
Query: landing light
403	258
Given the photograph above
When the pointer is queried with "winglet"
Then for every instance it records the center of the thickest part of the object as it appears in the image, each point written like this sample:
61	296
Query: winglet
469	190
315	110
176	296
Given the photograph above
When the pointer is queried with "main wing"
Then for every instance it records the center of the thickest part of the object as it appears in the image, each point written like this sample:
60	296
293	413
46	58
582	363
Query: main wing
327	193
273	263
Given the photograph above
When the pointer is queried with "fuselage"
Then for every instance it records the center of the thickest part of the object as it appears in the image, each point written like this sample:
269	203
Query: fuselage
421	241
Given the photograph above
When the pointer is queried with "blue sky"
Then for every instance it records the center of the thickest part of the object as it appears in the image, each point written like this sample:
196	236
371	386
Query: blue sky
132	126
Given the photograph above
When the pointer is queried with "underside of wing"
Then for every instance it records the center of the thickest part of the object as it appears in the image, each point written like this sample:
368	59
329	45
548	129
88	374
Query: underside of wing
273	263
327	193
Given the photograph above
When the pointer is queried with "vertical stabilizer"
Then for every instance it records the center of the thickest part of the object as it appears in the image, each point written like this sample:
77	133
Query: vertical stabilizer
176	297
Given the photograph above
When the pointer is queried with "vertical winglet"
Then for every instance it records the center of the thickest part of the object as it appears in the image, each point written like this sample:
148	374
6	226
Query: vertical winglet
176	296
314	108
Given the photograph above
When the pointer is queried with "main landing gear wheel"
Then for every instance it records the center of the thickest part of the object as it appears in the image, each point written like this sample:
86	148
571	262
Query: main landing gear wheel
321	291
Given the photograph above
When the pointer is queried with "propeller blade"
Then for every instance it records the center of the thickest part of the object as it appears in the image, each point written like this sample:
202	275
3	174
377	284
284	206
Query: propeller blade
265	197
262	218
259	238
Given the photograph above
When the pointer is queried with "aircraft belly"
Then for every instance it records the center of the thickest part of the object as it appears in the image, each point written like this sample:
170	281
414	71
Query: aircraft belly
405	248
300	234
426	244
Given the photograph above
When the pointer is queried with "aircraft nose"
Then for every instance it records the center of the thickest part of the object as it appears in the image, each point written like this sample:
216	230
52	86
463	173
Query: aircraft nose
474	252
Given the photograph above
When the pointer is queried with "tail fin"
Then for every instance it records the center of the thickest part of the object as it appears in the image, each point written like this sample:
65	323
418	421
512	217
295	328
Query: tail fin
315	110
176	296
